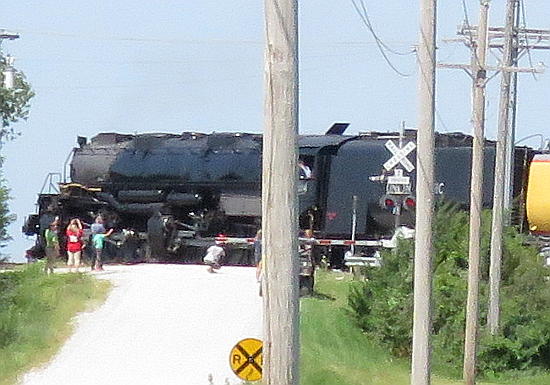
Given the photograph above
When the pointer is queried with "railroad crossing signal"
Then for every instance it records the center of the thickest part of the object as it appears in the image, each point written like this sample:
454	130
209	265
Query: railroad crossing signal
246	359
398	178
399	156
397	184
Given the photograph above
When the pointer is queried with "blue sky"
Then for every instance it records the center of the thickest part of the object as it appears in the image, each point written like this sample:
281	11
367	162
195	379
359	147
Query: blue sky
173	66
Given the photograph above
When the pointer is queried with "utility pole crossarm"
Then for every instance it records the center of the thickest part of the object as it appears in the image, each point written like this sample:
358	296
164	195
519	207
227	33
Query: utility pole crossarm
534	70
468	68
526	38
523	46
465	67
499	33
4	34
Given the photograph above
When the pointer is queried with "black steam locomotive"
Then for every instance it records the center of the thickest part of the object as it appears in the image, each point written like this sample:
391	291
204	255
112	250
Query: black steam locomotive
168	196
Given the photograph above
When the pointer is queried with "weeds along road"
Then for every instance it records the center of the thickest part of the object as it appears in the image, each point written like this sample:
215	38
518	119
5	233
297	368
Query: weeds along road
161	324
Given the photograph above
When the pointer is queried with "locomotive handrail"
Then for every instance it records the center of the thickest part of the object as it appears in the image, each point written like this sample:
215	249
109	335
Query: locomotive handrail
71	153
51	185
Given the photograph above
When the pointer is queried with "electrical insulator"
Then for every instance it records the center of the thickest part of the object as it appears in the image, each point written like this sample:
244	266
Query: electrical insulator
9	74
9	78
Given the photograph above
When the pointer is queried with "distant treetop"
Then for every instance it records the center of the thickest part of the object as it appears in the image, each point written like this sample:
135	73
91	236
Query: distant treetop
14	102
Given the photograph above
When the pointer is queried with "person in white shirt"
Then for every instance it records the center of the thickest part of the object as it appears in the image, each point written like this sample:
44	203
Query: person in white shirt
213	257
305	171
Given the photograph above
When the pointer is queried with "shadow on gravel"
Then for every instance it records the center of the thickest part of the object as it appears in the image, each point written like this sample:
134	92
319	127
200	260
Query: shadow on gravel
105	272
321	296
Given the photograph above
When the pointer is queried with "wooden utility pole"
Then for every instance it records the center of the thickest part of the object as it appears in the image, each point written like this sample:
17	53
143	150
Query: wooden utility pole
500	171
478	72
511	139
476	196
423	249
524	40
279	195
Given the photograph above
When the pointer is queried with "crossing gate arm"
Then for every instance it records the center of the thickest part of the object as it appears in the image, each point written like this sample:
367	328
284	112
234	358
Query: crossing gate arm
362	261
342	242
235	240
386	243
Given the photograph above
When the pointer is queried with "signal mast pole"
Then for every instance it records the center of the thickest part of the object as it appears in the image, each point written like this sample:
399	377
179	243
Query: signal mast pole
279	195
423	249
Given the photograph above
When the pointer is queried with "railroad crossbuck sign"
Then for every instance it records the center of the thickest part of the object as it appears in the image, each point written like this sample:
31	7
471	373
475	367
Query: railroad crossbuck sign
399	156
246	359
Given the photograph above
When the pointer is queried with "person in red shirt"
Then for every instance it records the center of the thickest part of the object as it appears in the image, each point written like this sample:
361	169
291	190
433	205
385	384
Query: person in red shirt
74	244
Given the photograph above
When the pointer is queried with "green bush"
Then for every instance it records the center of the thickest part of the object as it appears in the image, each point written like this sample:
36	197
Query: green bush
35	310
382	305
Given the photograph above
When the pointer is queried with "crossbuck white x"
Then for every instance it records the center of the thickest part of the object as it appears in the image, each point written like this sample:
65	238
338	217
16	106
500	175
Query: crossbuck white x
399	156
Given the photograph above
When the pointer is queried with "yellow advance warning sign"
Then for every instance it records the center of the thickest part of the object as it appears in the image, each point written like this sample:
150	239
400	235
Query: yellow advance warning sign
246	359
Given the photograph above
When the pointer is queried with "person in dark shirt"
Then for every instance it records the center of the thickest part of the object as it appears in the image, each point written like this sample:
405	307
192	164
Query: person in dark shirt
52	246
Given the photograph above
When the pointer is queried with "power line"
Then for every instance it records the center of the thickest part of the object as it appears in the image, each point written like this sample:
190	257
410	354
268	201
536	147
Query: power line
524	26
424	78
169	61
437	112
258	43
382	47
366	19
362	43
141	39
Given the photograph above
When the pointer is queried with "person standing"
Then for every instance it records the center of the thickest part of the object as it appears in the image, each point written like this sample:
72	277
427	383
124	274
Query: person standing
52	246
258	254
74	244
304	170
96	228
45	221
98	241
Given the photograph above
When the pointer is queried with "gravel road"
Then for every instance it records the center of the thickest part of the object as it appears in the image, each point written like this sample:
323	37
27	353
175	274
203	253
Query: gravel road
162	324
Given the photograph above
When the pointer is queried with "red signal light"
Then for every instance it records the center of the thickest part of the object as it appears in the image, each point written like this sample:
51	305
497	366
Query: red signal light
389	203
410	203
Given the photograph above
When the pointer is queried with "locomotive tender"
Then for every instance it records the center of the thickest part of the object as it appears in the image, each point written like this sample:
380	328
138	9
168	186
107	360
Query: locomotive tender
168	196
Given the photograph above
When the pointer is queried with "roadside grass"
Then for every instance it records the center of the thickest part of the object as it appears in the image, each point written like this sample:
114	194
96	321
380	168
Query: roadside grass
334	351
36	312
